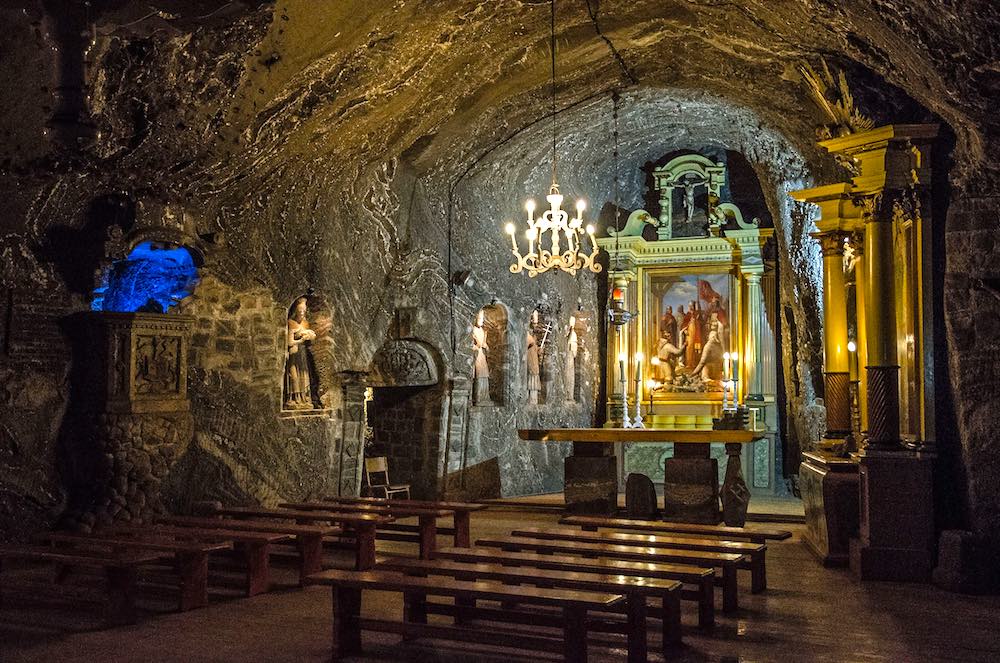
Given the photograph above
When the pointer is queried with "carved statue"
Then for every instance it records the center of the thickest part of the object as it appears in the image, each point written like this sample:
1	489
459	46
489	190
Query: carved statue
689	185
481	368
298	387
534	358
569	368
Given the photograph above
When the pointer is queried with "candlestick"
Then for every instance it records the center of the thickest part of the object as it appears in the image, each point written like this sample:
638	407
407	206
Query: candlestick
726	363
638	373
637	422
852	361
625	420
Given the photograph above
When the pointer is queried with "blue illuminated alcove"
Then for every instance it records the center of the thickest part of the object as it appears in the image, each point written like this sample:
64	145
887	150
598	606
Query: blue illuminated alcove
151	279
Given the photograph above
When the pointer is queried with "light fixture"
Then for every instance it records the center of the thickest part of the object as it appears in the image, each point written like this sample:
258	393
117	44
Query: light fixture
554	221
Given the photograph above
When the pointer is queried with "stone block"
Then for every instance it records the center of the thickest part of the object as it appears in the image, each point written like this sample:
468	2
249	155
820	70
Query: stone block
591	484
691	490
967	563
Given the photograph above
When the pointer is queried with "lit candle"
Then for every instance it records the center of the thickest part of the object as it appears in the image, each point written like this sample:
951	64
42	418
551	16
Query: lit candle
726	359
852	360
511	230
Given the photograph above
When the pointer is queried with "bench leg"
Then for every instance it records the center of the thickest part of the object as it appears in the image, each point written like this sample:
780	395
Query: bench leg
364	550
428	537
258	559
758	573
346	624
575	635
706	602
193	571
637	645
414	609
463	536
730	589
672	619
310	555
121	595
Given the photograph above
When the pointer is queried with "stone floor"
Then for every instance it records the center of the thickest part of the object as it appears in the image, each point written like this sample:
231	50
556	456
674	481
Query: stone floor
808	614
760	508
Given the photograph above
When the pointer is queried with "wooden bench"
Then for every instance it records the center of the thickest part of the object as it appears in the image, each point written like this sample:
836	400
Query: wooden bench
120	571
726	561
347	588
361	526
255	547
308	538
700	580
190	558
462	510
755	534
635	588
754	552
427	528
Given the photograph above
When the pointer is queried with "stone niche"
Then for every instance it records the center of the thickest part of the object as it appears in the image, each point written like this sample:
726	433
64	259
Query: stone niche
132	416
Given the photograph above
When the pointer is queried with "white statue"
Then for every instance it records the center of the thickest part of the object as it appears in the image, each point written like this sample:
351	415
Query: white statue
569	369
689	186
481	368
534	368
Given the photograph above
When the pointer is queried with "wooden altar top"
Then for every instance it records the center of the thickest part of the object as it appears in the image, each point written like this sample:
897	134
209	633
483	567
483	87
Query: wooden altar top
617	435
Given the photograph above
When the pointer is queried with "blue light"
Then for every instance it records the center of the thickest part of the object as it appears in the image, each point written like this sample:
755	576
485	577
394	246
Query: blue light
153	278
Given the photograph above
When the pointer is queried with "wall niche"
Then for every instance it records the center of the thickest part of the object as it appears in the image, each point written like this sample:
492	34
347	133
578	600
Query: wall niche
490	356
308	378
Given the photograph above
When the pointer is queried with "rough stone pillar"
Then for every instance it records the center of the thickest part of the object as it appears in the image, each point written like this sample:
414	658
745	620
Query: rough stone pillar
752	350
880	325
836	368
352	442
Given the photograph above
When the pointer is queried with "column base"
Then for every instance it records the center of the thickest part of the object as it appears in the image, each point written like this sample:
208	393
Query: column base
892	564
896	533
829	486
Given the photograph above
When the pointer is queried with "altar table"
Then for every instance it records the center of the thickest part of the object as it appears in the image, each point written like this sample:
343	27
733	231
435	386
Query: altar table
591	470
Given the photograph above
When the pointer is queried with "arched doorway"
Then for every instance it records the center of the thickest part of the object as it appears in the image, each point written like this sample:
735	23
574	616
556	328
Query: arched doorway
405	413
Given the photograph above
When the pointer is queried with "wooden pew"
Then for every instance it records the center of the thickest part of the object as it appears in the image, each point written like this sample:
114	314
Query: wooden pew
462	510
120	570
726	561
308	538
255	547
635	588
426	518
347	588
701	580
362	525
754	552
190	558
755	534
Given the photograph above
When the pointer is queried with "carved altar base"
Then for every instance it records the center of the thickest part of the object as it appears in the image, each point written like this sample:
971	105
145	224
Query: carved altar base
829	486
591	470
133	414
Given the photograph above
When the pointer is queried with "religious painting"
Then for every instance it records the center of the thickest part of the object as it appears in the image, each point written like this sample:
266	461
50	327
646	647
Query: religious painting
689	318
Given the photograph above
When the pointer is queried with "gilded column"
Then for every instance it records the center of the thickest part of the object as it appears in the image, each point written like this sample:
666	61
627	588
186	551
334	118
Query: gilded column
858	247
751	351
836	367
882	369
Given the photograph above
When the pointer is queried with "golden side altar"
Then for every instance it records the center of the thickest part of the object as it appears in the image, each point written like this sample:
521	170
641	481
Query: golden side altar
591	483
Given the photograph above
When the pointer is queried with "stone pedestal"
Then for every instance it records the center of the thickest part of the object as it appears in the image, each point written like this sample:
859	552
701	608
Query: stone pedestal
591	480
896	518
829	486
691	489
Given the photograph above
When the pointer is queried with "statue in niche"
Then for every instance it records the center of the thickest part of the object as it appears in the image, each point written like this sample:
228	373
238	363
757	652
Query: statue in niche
481	368
569	368
534	358
298	366
689	184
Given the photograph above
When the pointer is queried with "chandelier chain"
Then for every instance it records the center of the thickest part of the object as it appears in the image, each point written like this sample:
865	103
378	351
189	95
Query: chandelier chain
552	54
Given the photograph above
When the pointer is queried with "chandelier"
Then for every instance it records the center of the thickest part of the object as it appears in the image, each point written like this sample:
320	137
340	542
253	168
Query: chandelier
569	256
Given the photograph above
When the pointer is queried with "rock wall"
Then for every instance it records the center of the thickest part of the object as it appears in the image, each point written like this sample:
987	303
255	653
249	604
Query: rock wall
359	151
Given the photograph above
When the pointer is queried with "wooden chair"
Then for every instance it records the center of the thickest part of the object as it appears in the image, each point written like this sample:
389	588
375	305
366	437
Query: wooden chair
379	465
